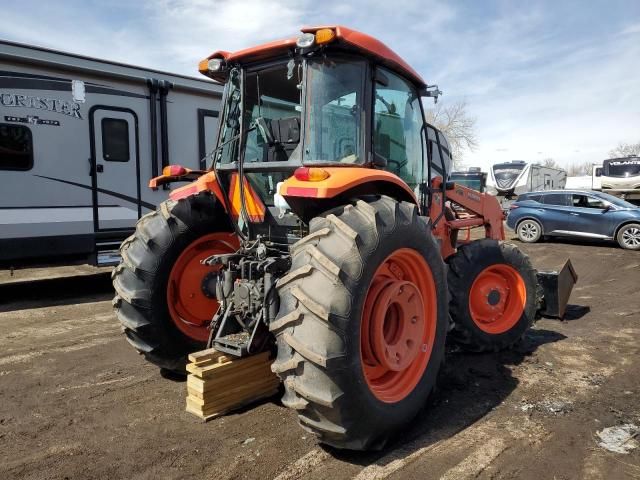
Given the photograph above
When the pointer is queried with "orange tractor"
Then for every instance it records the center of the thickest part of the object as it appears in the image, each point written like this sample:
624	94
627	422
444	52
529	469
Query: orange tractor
326	232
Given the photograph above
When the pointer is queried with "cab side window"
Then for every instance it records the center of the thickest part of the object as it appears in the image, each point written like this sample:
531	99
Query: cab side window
397	125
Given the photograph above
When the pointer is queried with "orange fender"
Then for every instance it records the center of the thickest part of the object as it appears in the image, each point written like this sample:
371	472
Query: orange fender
208	181
343	179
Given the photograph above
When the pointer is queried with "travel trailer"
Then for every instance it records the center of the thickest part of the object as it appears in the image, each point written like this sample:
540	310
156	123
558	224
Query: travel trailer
619	177
507	180
79	140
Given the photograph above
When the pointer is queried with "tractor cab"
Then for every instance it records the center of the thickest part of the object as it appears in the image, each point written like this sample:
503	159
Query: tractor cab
329	98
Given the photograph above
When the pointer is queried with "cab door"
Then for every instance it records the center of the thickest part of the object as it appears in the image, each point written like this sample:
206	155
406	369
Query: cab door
115	168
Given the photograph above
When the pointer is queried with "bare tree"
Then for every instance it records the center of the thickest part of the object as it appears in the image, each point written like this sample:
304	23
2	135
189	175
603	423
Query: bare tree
625	150
460	129
579	169
550	162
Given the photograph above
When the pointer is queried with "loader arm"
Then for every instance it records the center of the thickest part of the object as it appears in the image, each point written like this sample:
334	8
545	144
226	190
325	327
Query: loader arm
474	209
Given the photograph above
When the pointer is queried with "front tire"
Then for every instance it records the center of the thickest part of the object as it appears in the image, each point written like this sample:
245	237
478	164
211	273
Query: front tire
493	290
628	236
529	231
362	322
159	298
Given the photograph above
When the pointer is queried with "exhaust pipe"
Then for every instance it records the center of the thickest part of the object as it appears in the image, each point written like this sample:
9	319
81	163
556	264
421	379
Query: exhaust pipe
556	289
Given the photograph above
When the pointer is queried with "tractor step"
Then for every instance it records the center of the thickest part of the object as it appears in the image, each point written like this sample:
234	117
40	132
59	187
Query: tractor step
218	383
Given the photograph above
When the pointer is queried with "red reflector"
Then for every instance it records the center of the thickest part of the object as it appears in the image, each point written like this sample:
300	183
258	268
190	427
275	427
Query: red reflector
301	192
173	170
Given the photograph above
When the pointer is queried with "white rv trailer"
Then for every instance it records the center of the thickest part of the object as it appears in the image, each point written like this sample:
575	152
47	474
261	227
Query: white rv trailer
507	180
619	177
79	140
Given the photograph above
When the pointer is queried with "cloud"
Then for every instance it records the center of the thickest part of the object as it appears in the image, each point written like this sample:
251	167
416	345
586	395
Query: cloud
552	79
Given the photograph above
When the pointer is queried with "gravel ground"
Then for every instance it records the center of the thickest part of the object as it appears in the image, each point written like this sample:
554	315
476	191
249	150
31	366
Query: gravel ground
77	402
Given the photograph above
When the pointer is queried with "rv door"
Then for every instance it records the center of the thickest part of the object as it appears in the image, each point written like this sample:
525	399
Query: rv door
114	168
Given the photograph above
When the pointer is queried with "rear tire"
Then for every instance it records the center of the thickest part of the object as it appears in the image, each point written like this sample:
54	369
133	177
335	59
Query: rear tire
529	231
320	324
628	236
141	280
493	290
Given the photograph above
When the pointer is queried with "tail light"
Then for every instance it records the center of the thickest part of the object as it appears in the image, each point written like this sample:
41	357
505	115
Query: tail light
513	206
173	170
307	174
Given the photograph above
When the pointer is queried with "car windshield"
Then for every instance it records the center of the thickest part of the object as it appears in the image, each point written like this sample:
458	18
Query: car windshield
622	167
618	202
506	173
334	111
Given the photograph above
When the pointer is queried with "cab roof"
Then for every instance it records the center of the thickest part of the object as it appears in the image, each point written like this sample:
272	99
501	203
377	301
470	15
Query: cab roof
344	36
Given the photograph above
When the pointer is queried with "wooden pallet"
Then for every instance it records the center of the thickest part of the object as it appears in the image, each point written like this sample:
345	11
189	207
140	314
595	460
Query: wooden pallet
219	383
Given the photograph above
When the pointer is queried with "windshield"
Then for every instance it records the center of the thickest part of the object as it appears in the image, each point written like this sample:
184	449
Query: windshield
506	173
334	111
623	167
618	202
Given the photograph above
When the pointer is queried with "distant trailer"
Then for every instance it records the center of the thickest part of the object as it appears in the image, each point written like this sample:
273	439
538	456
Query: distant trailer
79	140
507	180
619	177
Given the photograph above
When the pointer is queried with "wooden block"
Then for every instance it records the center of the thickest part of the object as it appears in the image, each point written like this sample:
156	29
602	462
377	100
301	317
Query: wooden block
234	394
219	383
204	355
230	365
210	413
215	383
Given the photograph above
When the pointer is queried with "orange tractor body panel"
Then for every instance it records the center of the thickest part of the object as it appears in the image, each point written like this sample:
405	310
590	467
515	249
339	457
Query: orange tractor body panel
361	42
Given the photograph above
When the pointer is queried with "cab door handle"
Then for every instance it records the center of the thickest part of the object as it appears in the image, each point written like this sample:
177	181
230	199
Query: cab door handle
574	214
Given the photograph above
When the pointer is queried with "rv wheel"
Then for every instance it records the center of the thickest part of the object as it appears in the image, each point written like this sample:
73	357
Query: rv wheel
160	302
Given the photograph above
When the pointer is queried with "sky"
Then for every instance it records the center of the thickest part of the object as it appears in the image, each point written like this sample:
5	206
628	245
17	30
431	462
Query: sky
543	79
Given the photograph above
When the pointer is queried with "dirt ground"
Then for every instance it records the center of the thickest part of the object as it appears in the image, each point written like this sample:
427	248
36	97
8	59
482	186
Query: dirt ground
77	402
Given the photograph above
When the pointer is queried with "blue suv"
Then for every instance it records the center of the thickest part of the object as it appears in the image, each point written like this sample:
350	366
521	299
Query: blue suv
575	213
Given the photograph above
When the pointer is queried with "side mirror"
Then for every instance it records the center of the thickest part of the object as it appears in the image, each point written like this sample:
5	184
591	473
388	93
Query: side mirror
608	208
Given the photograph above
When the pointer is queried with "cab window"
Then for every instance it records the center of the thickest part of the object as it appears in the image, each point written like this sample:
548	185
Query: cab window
397	124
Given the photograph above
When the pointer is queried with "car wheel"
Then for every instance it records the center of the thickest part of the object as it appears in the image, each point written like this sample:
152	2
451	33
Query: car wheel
629	236
529	231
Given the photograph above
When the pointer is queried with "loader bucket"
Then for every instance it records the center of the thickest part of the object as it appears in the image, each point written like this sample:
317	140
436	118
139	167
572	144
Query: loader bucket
556	286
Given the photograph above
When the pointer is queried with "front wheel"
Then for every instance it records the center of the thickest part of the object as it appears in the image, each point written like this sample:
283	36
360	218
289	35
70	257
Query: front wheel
493	295
628	237
529	231
362	322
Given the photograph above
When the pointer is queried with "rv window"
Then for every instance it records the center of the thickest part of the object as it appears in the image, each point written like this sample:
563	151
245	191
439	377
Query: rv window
16	147
115	140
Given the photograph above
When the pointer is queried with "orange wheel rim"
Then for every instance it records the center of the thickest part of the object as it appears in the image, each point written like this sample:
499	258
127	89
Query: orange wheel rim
398	325
190	308
497	298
